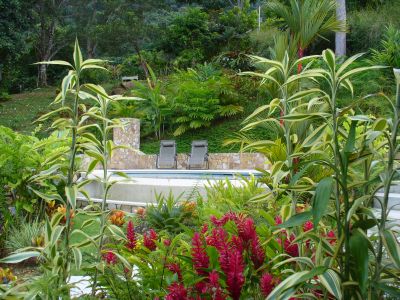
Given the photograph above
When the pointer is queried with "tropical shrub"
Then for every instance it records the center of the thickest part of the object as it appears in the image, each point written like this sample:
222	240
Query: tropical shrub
201	96
24	234
154	105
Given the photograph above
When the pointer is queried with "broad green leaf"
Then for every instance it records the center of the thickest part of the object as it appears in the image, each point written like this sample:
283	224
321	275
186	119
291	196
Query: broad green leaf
18	257
78	257
314	136
71	194
331	281
329	58
321	199
359	251
56	233
296	220
351	138
78	60
392	246
55	62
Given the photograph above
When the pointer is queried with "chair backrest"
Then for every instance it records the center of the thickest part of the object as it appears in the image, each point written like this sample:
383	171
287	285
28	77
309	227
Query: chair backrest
167	156
198	155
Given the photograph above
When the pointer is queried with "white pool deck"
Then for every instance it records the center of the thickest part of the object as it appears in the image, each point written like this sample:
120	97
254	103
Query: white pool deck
142	186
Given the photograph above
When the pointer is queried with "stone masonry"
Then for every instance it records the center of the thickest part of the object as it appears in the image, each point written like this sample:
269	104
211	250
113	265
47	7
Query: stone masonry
133	158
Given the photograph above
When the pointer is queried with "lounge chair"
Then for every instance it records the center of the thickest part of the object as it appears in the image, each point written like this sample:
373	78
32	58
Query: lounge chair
167	157
198	158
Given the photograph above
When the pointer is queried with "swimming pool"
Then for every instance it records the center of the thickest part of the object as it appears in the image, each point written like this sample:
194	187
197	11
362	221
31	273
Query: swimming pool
142	186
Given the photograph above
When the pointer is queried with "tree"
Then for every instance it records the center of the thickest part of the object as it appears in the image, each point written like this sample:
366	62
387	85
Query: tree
306	20
14	21
49	15
340	36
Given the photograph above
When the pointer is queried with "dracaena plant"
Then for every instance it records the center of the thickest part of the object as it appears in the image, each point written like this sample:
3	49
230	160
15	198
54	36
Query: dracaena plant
290	115
355	263
78	122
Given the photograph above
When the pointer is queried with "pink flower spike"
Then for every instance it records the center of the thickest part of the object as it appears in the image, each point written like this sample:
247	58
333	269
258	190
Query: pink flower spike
149	240
177	292
131	236
308	226
199	255
110	258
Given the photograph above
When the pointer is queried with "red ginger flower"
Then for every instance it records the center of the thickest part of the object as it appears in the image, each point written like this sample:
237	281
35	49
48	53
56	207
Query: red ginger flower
177	292
308	226
246	229
331	237
218	238
174	268
131	236
278	220
110	258
267	284
199	255
149	240
291	248
232	264
167	243
229	216
257	253
215	289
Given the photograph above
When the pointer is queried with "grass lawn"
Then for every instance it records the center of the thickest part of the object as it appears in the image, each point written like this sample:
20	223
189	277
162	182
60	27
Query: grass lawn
23	109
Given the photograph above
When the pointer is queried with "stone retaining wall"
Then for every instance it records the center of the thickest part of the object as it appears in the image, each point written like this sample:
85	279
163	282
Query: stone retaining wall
133	158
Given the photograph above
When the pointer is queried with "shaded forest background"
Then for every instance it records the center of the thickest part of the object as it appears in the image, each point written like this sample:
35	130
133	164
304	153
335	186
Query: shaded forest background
166	34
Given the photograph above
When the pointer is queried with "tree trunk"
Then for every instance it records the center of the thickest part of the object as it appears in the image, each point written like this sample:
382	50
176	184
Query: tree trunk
340	37
42	75
142	60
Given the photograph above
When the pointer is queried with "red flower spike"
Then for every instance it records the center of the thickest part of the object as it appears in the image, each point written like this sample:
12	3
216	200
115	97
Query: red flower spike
267	284
232	264
237	243
149	240
291	248
331	237
131	236
167	243
257	253
204	228
246	229
218	238
278	220
199	255
177	292
110	258
174	268
215	289
308	226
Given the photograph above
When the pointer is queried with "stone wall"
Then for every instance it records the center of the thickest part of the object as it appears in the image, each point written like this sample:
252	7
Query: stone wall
133	158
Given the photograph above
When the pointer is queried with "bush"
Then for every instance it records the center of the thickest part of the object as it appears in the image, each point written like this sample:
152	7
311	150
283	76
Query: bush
367	26
201	96
4	96
25	234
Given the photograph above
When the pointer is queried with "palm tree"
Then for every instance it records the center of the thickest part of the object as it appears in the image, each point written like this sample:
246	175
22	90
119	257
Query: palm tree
306	20
340	36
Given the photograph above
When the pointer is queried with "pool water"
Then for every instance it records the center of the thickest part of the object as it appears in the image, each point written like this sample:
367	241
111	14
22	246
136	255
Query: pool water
192	174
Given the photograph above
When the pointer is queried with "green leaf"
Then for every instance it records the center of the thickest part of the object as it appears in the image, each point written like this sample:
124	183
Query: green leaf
359	251
314	136
331	281
392	246
351	138
78	257
56	233
294	280
71	194
321	199
55	62
78	60
18	257
296	220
